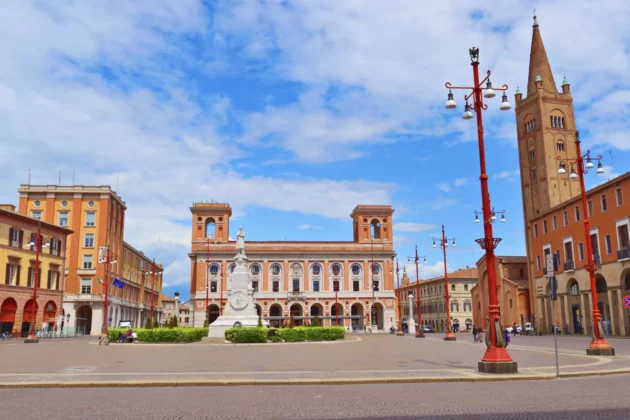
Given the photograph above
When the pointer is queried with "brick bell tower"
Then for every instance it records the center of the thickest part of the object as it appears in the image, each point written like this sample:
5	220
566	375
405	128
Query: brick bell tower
372	222
545	127
211	221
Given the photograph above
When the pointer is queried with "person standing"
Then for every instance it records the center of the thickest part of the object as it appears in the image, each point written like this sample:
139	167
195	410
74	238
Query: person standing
514	329
475	331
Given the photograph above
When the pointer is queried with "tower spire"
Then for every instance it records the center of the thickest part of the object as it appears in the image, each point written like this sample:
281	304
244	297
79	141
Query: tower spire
539	67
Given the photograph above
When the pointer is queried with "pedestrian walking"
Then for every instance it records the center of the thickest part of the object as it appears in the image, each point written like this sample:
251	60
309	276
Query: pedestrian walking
475	332
514	329
507	337
480	335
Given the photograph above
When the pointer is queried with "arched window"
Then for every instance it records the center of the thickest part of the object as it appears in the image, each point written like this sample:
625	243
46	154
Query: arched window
356	269
336	269
275	269
454	306
376	269
376	229
467	306
316	269
210	228
562	122
254	269
510	303
532	153
214	269
560	146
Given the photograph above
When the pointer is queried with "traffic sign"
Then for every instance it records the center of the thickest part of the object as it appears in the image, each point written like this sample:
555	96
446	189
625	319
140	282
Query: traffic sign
549	265
626	302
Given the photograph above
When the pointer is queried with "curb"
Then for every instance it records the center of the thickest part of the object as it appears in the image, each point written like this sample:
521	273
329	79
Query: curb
263	382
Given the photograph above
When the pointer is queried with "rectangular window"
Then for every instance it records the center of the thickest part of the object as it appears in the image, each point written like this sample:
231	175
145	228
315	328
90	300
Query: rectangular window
49	281
213	287
375	286
581	251
88	240
577	213
595	246
255	286
624	238
12	275
335	286
538	262
276	286
296	285
316	286
535	230
619	197
36	214
545	227
467	307
14	237
63	218
565	217
589	207
90	218
604	202
87	261
554	222
568	251
608	244
31	277
356	286
86	286
465	288
452	287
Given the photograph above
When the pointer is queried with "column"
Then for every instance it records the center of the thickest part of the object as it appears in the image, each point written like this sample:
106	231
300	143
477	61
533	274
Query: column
567	313
623	315
590	320
611	305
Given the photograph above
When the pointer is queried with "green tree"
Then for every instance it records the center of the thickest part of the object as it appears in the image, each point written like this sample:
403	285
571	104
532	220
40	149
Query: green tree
175	323
148	324
291	321
317	322
260	324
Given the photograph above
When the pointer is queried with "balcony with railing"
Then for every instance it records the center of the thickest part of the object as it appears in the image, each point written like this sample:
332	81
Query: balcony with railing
296	295
569	266
623	254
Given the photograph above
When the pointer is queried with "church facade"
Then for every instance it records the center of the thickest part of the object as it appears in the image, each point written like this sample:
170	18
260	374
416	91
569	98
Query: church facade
349	283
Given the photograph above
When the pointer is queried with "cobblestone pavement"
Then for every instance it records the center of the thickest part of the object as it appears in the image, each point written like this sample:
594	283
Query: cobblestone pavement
365	356
584	398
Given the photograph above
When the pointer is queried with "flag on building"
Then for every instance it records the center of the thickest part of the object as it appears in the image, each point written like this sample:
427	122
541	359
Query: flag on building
118	283
100	281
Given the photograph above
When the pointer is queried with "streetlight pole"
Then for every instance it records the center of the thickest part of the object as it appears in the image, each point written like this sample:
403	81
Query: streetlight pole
152	293
447	299
399	307
496	359
599	345
419	332
32	337
373	314
336	286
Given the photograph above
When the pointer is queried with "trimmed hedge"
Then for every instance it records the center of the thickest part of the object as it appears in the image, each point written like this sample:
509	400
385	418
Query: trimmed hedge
161	335
290	335
246	335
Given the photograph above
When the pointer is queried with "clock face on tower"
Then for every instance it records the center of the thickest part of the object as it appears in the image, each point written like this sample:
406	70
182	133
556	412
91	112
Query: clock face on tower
238	300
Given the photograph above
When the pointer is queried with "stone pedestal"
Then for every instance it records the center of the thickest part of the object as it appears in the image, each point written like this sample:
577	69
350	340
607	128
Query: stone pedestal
240	310
600	351
31	340
498	367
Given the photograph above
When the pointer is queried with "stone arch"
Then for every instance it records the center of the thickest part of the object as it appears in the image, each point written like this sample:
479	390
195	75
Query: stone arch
50	313
336	309
336	275
211	228
296	310
275	310
378	312
83	320
356	310
375	229
213	312
7	315
317	310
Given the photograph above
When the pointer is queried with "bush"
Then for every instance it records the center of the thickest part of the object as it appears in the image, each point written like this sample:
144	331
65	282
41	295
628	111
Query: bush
275	339
162	335
317	322
148	324
246	335
292	335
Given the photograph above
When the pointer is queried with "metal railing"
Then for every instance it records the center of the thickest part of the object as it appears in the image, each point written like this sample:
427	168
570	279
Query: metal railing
623	254
569	266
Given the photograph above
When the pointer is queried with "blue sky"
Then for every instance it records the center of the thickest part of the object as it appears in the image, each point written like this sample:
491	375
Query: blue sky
294	112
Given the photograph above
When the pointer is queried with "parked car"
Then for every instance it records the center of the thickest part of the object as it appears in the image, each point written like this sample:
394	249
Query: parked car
529	329
427	329
518	329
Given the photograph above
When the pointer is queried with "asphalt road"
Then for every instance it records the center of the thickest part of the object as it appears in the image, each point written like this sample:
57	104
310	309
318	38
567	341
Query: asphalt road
602	397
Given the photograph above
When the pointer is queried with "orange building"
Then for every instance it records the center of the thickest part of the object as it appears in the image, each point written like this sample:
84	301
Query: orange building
560	231
299	277
18	235
512	291
96	215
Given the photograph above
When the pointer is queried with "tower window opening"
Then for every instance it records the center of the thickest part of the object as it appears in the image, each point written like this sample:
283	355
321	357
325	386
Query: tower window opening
376	229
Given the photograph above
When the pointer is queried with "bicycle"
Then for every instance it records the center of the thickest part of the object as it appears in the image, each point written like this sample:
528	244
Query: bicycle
104	340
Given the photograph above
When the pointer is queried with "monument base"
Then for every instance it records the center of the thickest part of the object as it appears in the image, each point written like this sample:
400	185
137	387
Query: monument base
600	351
222	323
497	367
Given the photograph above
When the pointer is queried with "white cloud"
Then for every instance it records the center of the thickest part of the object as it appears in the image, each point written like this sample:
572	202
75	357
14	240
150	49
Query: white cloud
443	186
412	227
307	226
507	175
460	182
441	203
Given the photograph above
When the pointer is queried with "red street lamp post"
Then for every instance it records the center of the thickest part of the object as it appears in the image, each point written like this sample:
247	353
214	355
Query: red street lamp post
496	359
419	327
32	337
599	345
336	287
152	293
447	299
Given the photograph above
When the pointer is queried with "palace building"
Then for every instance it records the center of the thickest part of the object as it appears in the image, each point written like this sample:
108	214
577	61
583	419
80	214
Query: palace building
546	132
345	282
96	217
18	259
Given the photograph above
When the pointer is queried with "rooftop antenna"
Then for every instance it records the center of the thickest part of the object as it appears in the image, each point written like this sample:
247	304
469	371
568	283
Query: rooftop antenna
73	177
29	177
535	22
117	173
59	183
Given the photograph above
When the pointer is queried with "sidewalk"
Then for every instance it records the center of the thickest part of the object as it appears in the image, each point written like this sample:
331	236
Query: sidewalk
362	359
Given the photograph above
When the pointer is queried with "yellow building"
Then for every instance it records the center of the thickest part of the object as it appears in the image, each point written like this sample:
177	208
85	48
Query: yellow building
96	215
18	261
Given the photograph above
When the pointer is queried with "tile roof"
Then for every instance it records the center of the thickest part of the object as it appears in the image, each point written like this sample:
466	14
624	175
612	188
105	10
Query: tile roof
462	273
513	259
